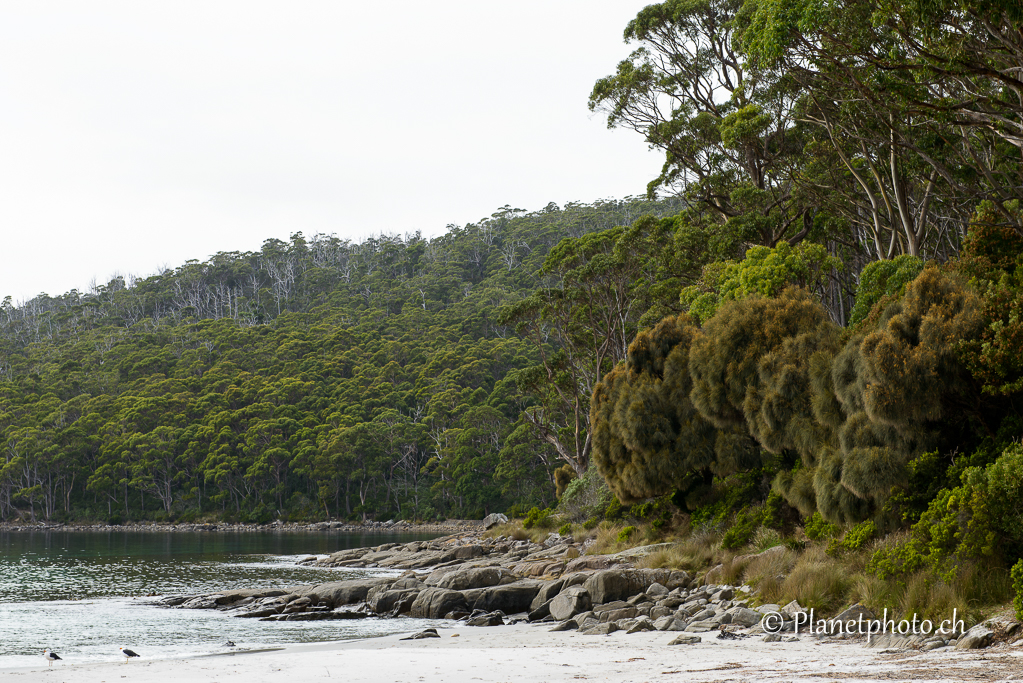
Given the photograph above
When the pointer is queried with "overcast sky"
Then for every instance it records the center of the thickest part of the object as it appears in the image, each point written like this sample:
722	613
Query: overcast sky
136	135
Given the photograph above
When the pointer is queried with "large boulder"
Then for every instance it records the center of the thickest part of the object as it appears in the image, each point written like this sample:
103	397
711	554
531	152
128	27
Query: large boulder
493	519
978	637
510	598
547	591
339	593
434	603
570	602
381	601
621	584
474	577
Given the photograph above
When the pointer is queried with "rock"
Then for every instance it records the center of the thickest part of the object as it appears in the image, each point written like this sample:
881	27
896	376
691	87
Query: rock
493	519
656	590
495	618
547	591
792	609
841	623
772	638
702	626
540	612
565	626
620	584
340	593
510	598
617	614
686	640
744	617
725	593
600	629
434	603
475	577
766	609
641	624
590	562
665	623
381	601
427	633
976	638
570	602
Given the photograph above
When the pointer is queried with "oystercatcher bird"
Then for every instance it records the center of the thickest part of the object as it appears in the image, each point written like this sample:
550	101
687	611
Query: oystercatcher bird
128	654
51	656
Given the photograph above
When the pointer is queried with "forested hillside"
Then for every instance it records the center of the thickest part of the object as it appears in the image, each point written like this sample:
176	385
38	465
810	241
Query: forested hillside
315	378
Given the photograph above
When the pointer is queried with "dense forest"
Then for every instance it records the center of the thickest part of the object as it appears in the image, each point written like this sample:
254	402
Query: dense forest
315	378
818	321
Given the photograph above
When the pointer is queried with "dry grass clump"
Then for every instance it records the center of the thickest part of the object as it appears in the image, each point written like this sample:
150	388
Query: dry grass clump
606	539
816	580
766	538
671	557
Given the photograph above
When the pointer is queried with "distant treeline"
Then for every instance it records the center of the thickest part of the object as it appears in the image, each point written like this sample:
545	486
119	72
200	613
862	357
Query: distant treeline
317	377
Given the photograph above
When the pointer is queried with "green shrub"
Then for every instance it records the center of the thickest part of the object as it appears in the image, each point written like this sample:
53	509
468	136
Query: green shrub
591	523
626	533
614	510
1017	587
883	278
897	560
854	539
565	529
541	519
817	528
745	525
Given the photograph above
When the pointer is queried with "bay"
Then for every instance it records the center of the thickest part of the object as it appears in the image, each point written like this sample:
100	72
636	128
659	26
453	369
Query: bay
85	594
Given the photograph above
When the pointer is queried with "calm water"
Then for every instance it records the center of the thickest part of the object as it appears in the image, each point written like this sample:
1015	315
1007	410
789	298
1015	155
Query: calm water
84	594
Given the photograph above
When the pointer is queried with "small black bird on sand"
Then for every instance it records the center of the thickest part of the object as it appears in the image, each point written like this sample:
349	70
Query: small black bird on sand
128	654
51	656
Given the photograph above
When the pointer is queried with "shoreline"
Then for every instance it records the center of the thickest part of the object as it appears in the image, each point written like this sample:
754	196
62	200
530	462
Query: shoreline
446	527
524	653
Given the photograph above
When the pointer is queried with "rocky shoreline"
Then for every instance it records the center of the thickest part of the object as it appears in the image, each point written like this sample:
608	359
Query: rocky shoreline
482	581
445	527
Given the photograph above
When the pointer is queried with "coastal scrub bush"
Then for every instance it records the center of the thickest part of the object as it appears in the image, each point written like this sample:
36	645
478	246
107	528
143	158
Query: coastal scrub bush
541	519
816	528
746	523
1017	587
883	278
625	534
853	539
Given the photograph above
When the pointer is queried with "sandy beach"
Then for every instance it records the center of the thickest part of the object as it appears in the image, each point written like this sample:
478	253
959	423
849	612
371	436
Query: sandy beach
531	654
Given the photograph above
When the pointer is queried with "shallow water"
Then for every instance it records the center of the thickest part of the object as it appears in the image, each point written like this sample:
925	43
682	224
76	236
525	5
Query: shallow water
85	594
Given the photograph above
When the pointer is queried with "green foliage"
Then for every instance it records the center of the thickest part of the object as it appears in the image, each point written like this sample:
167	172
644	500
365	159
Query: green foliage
746	523
1017	587
763	272
565	529
563	478
993	260
817	528
896	561
883	279
313	378
853	539
625	534
540	519
614	510
647	435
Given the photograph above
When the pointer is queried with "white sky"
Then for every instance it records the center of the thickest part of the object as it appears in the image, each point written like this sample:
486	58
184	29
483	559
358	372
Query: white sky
136	135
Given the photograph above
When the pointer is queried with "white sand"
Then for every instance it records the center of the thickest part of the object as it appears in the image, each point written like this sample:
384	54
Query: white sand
527	654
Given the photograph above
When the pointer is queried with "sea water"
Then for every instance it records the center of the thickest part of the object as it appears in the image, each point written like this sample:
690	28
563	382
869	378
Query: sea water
85	594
